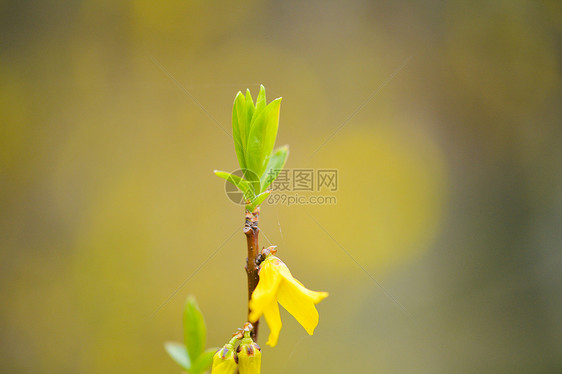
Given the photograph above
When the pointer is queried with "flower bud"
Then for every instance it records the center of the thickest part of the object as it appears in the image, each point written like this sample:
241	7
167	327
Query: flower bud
249	355
225	360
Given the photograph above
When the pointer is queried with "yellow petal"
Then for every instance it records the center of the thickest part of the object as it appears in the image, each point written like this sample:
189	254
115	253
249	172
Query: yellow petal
265	292
299	305
316	296
286	274
273	319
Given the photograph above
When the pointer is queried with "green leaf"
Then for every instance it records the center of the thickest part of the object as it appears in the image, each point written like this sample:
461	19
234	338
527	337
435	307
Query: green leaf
275	165
239	125
243	185
260	100
179	354
195	332
204	361
258	200
263	132
250	109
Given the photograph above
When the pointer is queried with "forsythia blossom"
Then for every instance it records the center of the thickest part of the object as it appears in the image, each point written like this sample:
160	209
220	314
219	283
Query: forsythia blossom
224	361
276	284
249	355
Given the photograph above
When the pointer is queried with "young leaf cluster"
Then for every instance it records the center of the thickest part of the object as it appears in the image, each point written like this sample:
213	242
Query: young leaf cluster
254	129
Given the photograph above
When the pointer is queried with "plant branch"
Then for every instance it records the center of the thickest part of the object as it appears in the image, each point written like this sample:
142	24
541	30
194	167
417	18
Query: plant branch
251	231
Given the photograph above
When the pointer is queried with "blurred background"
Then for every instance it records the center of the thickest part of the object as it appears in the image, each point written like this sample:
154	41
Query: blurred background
442	254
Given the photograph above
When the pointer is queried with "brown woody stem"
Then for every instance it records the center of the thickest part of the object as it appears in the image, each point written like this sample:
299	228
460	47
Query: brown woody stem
252	231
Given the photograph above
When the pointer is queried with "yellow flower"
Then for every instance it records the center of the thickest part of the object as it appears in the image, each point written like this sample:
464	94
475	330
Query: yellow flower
249	355
276	284
224	361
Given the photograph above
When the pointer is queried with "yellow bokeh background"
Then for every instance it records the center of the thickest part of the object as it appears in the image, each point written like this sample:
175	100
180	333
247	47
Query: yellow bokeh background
442	120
